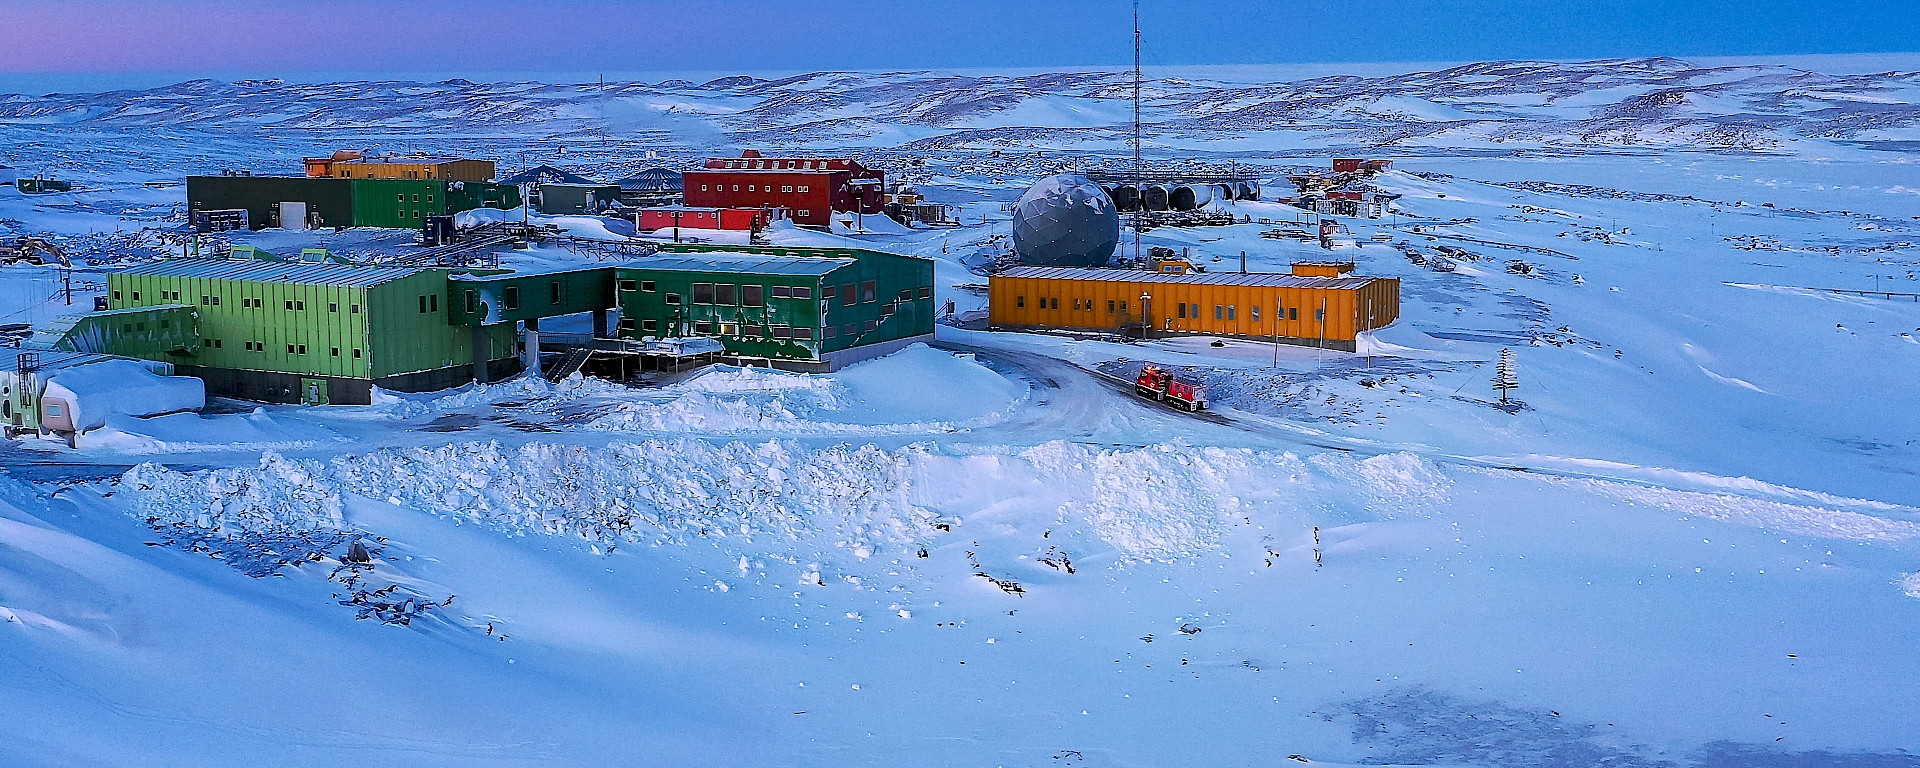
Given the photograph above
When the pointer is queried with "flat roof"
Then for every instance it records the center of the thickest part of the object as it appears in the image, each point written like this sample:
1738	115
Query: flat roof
723	261
1260	279
403	160
272	271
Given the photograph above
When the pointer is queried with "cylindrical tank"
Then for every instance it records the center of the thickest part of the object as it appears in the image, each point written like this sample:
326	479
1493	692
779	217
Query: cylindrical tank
1222	191
1187	197
1153	197
1245	190
1126	197
1065	221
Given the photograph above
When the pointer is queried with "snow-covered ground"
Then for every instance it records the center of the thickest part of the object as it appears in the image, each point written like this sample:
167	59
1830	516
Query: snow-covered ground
1695	542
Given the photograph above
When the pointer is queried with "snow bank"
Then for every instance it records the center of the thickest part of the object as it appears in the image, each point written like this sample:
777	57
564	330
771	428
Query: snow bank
184	432
97	391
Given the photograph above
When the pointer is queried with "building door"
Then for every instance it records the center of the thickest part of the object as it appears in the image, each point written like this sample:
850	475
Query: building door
293	215
313	392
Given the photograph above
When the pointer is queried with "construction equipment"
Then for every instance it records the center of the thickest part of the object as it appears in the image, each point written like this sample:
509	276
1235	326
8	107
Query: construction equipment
32	250
1155	383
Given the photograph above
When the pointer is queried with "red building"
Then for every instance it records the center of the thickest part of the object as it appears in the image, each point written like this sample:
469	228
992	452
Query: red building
709	218
812	189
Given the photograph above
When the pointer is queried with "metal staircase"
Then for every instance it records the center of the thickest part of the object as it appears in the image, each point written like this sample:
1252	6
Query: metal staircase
574	361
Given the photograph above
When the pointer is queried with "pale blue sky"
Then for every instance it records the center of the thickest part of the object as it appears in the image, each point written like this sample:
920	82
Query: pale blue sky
277	37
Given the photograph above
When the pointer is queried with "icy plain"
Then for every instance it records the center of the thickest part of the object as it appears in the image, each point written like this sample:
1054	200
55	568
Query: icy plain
1693	545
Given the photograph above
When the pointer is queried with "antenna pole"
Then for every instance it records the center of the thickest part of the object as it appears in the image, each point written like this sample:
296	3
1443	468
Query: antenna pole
1139	194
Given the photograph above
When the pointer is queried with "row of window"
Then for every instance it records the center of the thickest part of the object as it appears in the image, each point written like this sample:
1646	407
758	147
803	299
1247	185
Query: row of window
756	188
803	164
1182	310
732	329
402	197
292	349
246	302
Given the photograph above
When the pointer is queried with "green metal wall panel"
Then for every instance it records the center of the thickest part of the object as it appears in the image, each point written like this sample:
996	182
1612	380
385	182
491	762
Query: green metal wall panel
473	194
653	313
481	298
397	203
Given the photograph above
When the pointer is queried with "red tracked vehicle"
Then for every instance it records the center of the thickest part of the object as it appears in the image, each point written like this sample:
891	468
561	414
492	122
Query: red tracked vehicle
1157	384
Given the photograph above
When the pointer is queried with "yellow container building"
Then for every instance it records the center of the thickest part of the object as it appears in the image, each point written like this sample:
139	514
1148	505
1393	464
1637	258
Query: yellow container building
1326	312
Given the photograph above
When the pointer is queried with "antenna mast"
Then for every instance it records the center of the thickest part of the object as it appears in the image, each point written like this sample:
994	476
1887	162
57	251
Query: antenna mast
1138	193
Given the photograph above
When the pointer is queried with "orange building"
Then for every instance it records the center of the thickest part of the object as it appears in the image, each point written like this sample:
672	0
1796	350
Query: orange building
351	164
1326	312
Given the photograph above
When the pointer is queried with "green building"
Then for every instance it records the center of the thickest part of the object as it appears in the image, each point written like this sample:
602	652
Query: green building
291	332
313	202
802	308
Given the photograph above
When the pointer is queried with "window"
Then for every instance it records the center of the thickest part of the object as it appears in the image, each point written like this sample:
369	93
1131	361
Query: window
804	213
753	296
826	292
1123	307
1056	302
299	305
203	298
786	188
781	292
867	291
510	298
303	349
736	187
336	351
1218	312
803	333
289	304
829	332
927	293
703	327
1196	311
1183	311
553	291
333	306
851	329
1019	301
673	298
216	343
849	295
729	329
887	309
289	349
703	293
1253	313
645	325
726	293
872	324
355	309
116	296
804	188
423	304
703	187
1110	307
136	295
647	286
750	330
356	354
216	301
629	285
1320	315
782	332
907	295
1293	313
750	188
1230	312
803	293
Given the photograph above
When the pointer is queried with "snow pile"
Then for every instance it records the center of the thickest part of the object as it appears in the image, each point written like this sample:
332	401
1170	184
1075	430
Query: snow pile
183	432
917	390
1160	502
517	389
96	391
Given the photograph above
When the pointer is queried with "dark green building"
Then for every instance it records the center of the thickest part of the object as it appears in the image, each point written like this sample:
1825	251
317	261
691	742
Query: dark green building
274	201
802	308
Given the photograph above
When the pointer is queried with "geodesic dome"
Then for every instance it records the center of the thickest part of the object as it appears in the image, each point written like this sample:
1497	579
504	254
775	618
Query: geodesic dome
1065	221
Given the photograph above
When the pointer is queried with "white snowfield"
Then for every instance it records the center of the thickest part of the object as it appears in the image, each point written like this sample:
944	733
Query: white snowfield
1694	542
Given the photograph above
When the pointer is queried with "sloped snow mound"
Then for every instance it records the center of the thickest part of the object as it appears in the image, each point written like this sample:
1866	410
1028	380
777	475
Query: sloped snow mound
188	432
917	390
